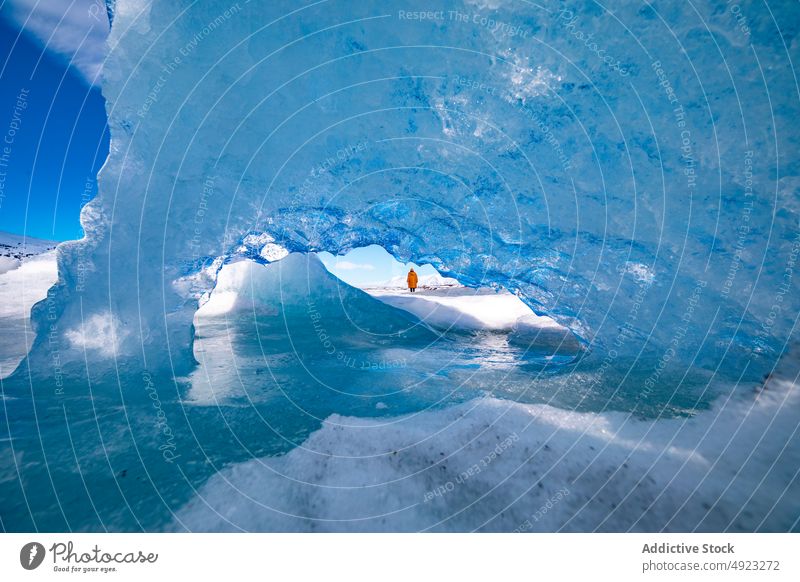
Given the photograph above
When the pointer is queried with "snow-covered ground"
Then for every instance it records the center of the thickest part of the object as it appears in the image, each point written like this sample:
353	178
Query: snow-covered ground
433	280
497	465
14	249
456	307
27	270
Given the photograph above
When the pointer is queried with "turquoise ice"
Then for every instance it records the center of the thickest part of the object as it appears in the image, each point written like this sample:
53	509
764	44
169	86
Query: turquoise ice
630	172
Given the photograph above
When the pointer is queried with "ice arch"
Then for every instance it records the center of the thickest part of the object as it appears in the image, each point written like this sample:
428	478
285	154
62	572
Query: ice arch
640	186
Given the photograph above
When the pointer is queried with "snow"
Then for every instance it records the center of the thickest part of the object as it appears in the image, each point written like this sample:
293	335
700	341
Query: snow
20	288
236	287
27	270
273	252
495	465
431	280
100	335
464	308
19	247
8	264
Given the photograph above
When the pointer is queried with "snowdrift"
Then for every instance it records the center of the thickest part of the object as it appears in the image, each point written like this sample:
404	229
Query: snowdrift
20	288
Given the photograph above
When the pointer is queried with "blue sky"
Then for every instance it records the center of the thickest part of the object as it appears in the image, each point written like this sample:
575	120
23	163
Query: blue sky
369	265
53	136
52	112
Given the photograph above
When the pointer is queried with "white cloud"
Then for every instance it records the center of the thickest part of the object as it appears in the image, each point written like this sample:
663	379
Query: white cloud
350	266
75	30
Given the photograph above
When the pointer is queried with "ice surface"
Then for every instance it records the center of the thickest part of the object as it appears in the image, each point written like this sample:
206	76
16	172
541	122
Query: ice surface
649	204
499	466
295	323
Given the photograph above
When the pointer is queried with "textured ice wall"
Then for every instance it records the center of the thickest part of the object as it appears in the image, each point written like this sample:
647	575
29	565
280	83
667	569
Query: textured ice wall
631	171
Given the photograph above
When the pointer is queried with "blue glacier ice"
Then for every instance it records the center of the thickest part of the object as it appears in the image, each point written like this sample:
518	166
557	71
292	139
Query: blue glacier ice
519	160
630	171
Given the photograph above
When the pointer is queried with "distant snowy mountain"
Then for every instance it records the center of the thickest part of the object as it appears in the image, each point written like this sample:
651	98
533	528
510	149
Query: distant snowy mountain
432	280
15	248
21	247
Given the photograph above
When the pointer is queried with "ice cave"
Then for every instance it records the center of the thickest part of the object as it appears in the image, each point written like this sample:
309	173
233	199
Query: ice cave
627	175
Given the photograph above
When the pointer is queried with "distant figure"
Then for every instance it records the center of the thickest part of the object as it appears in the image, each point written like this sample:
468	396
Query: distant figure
412	280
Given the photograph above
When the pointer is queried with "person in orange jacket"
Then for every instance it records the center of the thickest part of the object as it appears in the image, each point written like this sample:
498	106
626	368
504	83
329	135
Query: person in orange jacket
412	280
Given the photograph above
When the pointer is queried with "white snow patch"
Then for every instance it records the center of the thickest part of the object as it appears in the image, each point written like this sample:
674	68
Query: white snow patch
20	289
237	284
100	333
464	308
642	273
273	252
430	280
8	264
255	240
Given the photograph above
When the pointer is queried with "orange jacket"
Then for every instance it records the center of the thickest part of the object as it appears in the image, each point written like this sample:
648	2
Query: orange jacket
412	280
